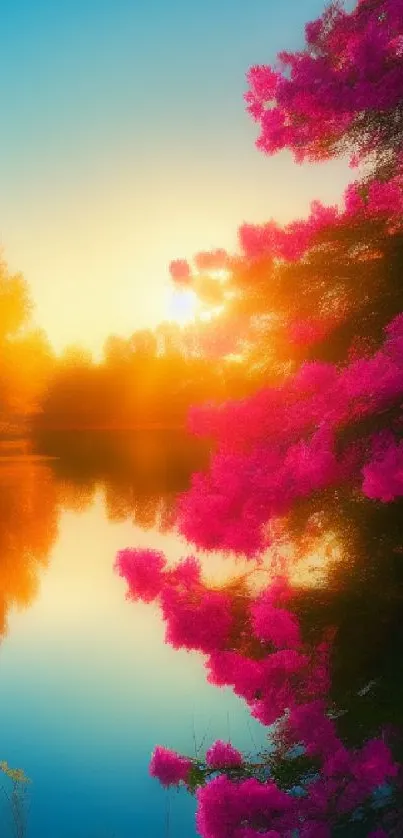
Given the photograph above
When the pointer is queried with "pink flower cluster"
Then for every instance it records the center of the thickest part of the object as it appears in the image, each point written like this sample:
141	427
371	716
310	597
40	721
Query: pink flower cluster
195	616
223	755
205	620
142	569
346	82
383	475
169	767
381	200
287	686
279	446
259	651
228	809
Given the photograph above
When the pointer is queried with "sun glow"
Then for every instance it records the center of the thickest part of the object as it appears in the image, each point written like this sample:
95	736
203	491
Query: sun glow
183	306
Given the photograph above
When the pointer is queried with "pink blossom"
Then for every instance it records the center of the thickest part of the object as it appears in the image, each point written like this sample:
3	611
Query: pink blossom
279	446
186	575
143	571
275	625
349	73
223	806
199	621
383	475
169	767
373	766
223	754
310	726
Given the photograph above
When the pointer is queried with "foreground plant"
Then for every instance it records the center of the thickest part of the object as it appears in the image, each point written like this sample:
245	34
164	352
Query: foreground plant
16	797
307	779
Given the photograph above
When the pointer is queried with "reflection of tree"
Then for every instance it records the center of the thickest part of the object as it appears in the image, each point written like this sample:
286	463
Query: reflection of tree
148	511
141	473
28	528
76	495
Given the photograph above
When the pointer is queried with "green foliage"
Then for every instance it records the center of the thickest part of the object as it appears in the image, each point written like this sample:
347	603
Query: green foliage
196	777
16	798
293	771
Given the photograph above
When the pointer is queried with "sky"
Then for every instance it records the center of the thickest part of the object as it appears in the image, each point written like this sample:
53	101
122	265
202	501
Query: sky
125	144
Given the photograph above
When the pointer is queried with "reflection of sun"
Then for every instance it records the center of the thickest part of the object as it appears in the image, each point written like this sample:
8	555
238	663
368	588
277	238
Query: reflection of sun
183	306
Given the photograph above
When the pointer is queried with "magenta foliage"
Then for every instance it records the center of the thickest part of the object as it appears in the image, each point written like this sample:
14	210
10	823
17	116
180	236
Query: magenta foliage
225	808
279	446
382	201
347	80
274	625
228	808
264	659
142	570
202	621
223	754
383	475
195	617
169	767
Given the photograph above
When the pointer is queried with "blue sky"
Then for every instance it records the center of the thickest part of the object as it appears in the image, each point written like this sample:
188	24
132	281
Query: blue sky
125	144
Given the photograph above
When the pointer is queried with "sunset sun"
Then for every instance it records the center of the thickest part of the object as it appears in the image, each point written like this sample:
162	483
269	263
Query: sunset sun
183	306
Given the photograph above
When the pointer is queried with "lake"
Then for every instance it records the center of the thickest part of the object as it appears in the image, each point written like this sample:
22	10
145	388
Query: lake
88	686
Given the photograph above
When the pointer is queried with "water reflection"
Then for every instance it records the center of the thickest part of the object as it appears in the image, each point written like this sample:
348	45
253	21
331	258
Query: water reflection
88	686
138	477
28	529
140	473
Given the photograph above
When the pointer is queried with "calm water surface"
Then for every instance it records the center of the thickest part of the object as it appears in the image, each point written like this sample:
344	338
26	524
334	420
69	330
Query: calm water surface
87	685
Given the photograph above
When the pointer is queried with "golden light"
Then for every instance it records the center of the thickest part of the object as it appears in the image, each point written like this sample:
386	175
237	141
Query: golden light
222	274
183	306
208	314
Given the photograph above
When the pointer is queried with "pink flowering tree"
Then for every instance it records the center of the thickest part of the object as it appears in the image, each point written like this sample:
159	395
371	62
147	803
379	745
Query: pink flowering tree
306	779
321	429
341	93
347	260
317	307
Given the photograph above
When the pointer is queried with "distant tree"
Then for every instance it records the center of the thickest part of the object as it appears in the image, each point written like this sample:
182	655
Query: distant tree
15	303
26	357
